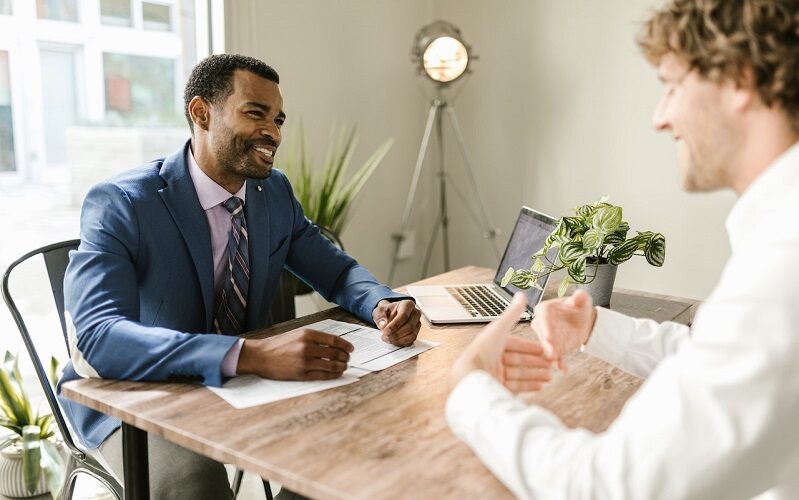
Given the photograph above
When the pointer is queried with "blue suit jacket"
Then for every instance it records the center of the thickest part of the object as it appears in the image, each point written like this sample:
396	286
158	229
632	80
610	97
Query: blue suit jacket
140	288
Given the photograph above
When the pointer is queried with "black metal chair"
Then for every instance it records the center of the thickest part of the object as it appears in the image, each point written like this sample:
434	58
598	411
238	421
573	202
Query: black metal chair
56	258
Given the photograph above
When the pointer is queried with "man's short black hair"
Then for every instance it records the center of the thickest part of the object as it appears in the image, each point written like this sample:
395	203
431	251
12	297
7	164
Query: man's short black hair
212	78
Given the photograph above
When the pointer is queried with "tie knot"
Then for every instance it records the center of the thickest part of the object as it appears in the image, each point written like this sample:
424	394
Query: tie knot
234	205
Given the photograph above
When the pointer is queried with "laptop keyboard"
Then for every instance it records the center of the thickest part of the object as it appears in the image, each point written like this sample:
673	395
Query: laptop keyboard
478	300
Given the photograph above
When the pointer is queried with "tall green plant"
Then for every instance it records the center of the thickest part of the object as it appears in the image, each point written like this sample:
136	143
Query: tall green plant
326	195
32	429
595	235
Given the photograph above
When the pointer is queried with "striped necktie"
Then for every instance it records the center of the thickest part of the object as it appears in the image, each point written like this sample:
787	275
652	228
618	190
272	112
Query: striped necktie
231	315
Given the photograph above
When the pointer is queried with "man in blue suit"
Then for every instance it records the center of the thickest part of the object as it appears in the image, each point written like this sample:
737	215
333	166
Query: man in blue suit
168	271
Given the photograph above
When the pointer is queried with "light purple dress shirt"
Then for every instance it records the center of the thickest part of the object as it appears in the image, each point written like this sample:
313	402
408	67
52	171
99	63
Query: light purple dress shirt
211	196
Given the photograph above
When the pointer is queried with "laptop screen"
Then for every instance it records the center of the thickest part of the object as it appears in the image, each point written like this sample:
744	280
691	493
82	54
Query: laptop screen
528	237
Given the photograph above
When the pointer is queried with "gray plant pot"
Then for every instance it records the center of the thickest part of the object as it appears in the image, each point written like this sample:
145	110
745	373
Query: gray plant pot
600	288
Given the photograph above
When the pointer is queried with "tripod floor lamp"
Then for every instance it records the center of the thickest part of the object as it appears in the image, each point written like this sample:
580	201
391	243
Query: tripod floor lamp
443	58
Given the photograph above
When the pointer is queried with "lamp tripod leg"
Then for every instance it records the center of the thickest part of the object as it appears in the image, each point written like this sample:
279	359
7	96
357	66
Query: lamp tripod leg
429	251
433	115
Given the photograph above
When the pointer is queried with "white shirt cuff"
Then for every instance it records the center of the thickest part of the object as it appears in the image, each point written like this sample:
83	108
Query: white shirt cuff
610	336
231	360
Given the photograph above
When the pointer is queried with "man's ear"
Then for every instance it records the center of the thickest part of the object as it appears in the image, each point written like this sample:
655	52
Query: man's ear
200	112
743	91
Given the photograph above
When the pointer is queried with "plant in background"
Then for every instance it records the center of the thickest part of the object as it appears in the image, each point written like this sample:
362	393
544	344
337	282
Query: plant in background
595	235
325	194
33	430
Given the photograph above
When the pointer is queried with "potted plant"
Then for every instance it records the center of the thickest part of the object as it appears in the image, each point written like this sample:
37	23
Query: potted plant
589	246
326	195
30	463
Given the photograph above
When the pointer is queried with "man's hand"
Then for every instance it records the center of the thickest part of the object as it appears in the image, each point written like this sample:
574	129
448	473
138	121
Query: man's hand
516	362
299	355
399	321
563	325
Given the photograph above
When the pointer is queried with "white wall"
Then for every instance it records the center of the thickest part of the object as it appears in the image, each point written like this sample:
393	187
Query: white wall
556	113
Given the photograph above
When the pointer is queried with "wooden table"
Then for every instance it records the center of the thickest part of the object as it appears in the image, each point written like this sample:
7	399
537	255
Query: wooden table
385	436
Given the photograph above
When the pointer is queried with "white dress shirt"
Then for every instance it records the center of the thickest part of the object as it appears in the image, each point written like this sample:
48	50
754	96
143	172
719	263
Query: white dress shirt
718	415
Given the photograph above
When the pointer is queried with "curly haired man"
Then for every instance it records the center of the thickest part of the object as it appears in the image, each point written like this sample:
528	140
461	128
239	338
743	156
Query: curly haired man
717	415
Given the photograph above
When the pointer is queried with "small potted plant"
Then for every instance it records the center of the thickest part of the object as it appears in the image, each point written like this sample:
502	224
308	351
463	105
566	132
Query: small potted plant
589	246
30	463
325	193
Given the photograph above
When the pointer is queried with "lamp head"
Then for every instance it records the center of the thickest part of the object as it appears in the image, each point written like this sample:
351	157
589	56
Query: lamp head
440	52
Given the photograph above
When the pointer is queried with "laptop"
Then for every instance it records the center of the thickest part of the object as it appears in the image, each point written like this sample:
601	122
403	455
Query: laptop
481	302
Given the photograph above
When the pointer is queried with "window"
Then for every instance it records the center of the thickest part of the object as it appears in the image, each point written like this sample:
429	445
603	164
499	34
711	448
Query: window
57	10
59	99
7	163
157	17
140	90
73	70
116	12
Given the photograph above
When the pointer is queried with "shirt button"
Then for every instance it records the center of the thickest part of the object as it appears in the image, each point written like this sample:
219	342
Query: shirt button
259	188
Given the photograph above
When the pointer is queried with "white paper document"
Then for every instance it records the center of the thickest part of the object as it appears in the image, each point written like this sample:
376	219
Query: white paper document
370	354
251	390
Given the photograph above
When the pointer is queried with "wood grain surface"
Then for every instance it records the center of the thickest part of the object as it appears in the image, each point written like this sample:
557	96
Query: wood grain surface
385	436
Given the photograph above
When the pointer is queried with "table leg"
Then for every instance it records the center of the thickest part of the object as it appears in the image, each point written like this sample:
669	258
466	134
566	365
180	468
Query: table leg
135	465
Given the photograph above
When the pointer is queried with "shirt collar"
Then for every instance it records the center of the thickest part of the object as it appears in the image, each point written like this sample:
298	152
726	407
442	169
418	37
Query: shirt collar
766	194
209	192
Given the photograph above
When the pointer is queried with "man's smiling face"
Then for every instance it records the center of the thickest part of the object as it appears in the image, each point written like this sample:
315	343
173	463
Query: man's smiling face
245	133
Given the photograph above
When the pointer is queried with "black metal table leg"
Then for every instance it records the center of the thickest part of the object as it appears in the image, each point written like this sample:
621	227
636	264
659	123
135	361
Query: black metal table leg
135	464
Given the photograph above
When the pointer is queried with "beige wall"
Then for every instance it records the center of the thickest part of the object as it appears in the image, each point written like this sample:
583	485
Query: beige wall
556	113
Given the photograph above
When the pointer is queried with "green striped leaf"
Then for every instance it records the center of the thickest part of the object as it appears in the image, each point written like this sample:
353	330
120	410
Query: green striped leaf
576	271
623	252
592	239
576	225
618	236
31	457
571	251
607	219
508	276
585	211
655	252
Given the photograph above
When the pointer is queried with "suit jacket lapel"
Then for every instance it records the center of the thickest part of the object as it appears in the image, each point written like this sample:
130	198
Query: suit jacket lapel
256	212
181	200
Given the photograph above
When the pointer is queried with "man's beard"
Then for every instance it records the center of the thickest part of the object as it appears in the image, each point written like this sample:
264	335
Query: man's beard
240	161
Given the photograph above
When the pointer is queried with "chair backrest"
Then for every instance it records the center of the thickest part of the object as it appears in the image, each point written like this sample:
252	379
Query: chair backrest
56	258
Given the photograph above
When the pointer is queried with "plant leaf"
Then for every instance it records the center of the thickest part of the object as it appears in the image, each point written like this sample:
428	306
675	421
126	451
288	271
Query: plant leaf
564	285
54	372
655	252
623	252
53	467
508	276
577	271
31	457
619	235
592	239
607	219
16	407
571	251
